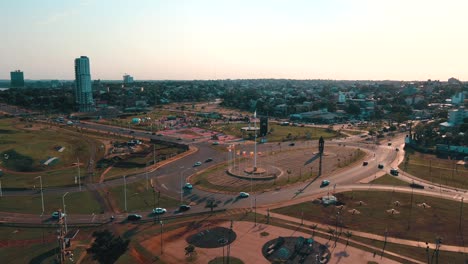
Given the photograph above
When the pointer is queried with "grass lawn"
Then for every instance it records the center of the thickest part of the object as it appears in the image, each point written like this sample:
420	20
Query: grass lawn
39	143
425	224
280	133
76	203
64	177
433	169
388	179
138	198
37	253
354	132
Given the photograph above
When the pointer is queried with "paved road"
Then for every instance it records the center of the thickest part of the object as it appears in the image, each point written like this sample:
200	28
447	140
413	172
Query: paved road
172	176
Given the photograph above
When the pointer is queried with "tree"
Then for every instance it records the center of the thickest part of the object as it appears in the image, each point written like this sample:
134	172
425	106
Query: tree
331	231
107	248
189	250
348	235
313	227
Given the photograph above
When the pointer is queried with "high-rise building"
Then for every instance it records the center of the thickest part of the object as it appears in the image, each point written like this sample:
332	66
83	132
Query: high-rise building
127	79
17	78
83	89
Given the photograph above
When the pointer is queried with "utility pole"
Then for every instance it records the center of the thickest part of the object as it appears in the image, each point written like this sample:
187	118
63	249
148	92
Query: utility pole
64	212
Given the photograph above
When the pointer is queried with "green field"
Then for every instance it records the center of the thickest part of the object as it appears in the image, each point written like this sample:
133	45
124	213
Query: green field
438	171
440	220
140	198
388	179
39	142
76	203
280	133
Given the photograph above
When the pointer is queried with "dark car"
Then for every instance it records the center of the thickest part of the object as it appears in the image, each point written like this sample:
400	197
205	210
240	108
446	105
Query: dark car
208	160
292	144
134	217
365	163
184	208
380	166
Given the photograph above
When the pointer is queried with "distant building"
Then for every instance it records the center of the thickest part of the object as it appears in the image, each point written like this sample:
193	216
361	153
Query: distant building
341	97
17	79
127	79
458	99
456	116
83	91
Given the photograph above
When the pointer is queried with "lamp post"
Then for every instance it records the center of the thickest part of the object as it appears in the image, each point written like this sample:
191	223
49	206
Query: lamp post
65	212
79	174
162	224
125	192
42	194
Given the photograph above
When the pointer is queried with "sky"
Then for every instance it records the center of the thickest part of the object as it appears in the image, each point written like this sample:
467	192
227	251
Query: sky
236	39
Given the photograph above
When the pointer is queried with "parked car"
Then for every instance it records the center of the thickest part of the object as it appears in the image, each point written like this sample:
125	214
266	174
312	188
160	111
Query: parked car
324	183
365	163
243	195
394	172
380	166
198	163
292	144
159	210
134	217
184	208
188	186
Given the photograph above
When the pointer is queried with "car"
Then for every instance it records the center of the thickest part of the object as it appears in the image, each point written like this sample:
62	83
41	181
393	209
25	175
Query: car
188	186
184	208
179	138
380	166
132	132
159	135
216	143
397	149
153	133
394	172
324	183
209	160
56	214
365	163
159	210
198	163
243	195
292	144
389	143
134	217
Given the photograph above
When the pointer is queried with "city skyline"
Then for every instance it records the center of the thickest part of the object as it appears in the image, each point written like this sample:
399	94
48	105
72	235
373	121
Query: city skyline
181	40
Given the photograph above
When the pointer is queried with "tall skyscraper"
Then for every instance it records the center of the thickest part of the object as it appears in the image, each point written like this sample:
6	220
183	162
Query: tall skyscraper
127	79
83	89
17	79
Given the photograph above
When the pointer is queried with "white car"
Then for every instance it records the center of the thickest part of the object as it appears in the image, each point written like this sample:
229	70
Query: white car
159	210
198	163
244	195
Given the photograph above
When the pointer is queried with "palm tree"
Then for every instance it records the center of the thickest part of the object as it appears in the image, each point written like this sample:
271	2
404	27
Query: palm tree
348	235
313	227
331	231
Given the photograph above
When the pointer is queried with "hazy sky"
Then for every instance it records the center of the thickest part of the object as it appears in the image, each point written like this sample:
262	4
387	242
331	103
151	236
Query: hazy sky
218	39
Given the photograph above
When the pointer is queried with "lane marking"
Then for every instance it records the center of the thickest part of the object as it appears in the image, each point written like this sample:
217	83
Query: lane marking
164	186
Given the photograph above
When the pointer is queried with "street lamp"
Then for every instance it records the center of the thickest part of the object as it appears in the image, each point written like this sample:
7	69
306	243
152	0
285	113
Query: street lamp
42	194
64	212
161	224
125	192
